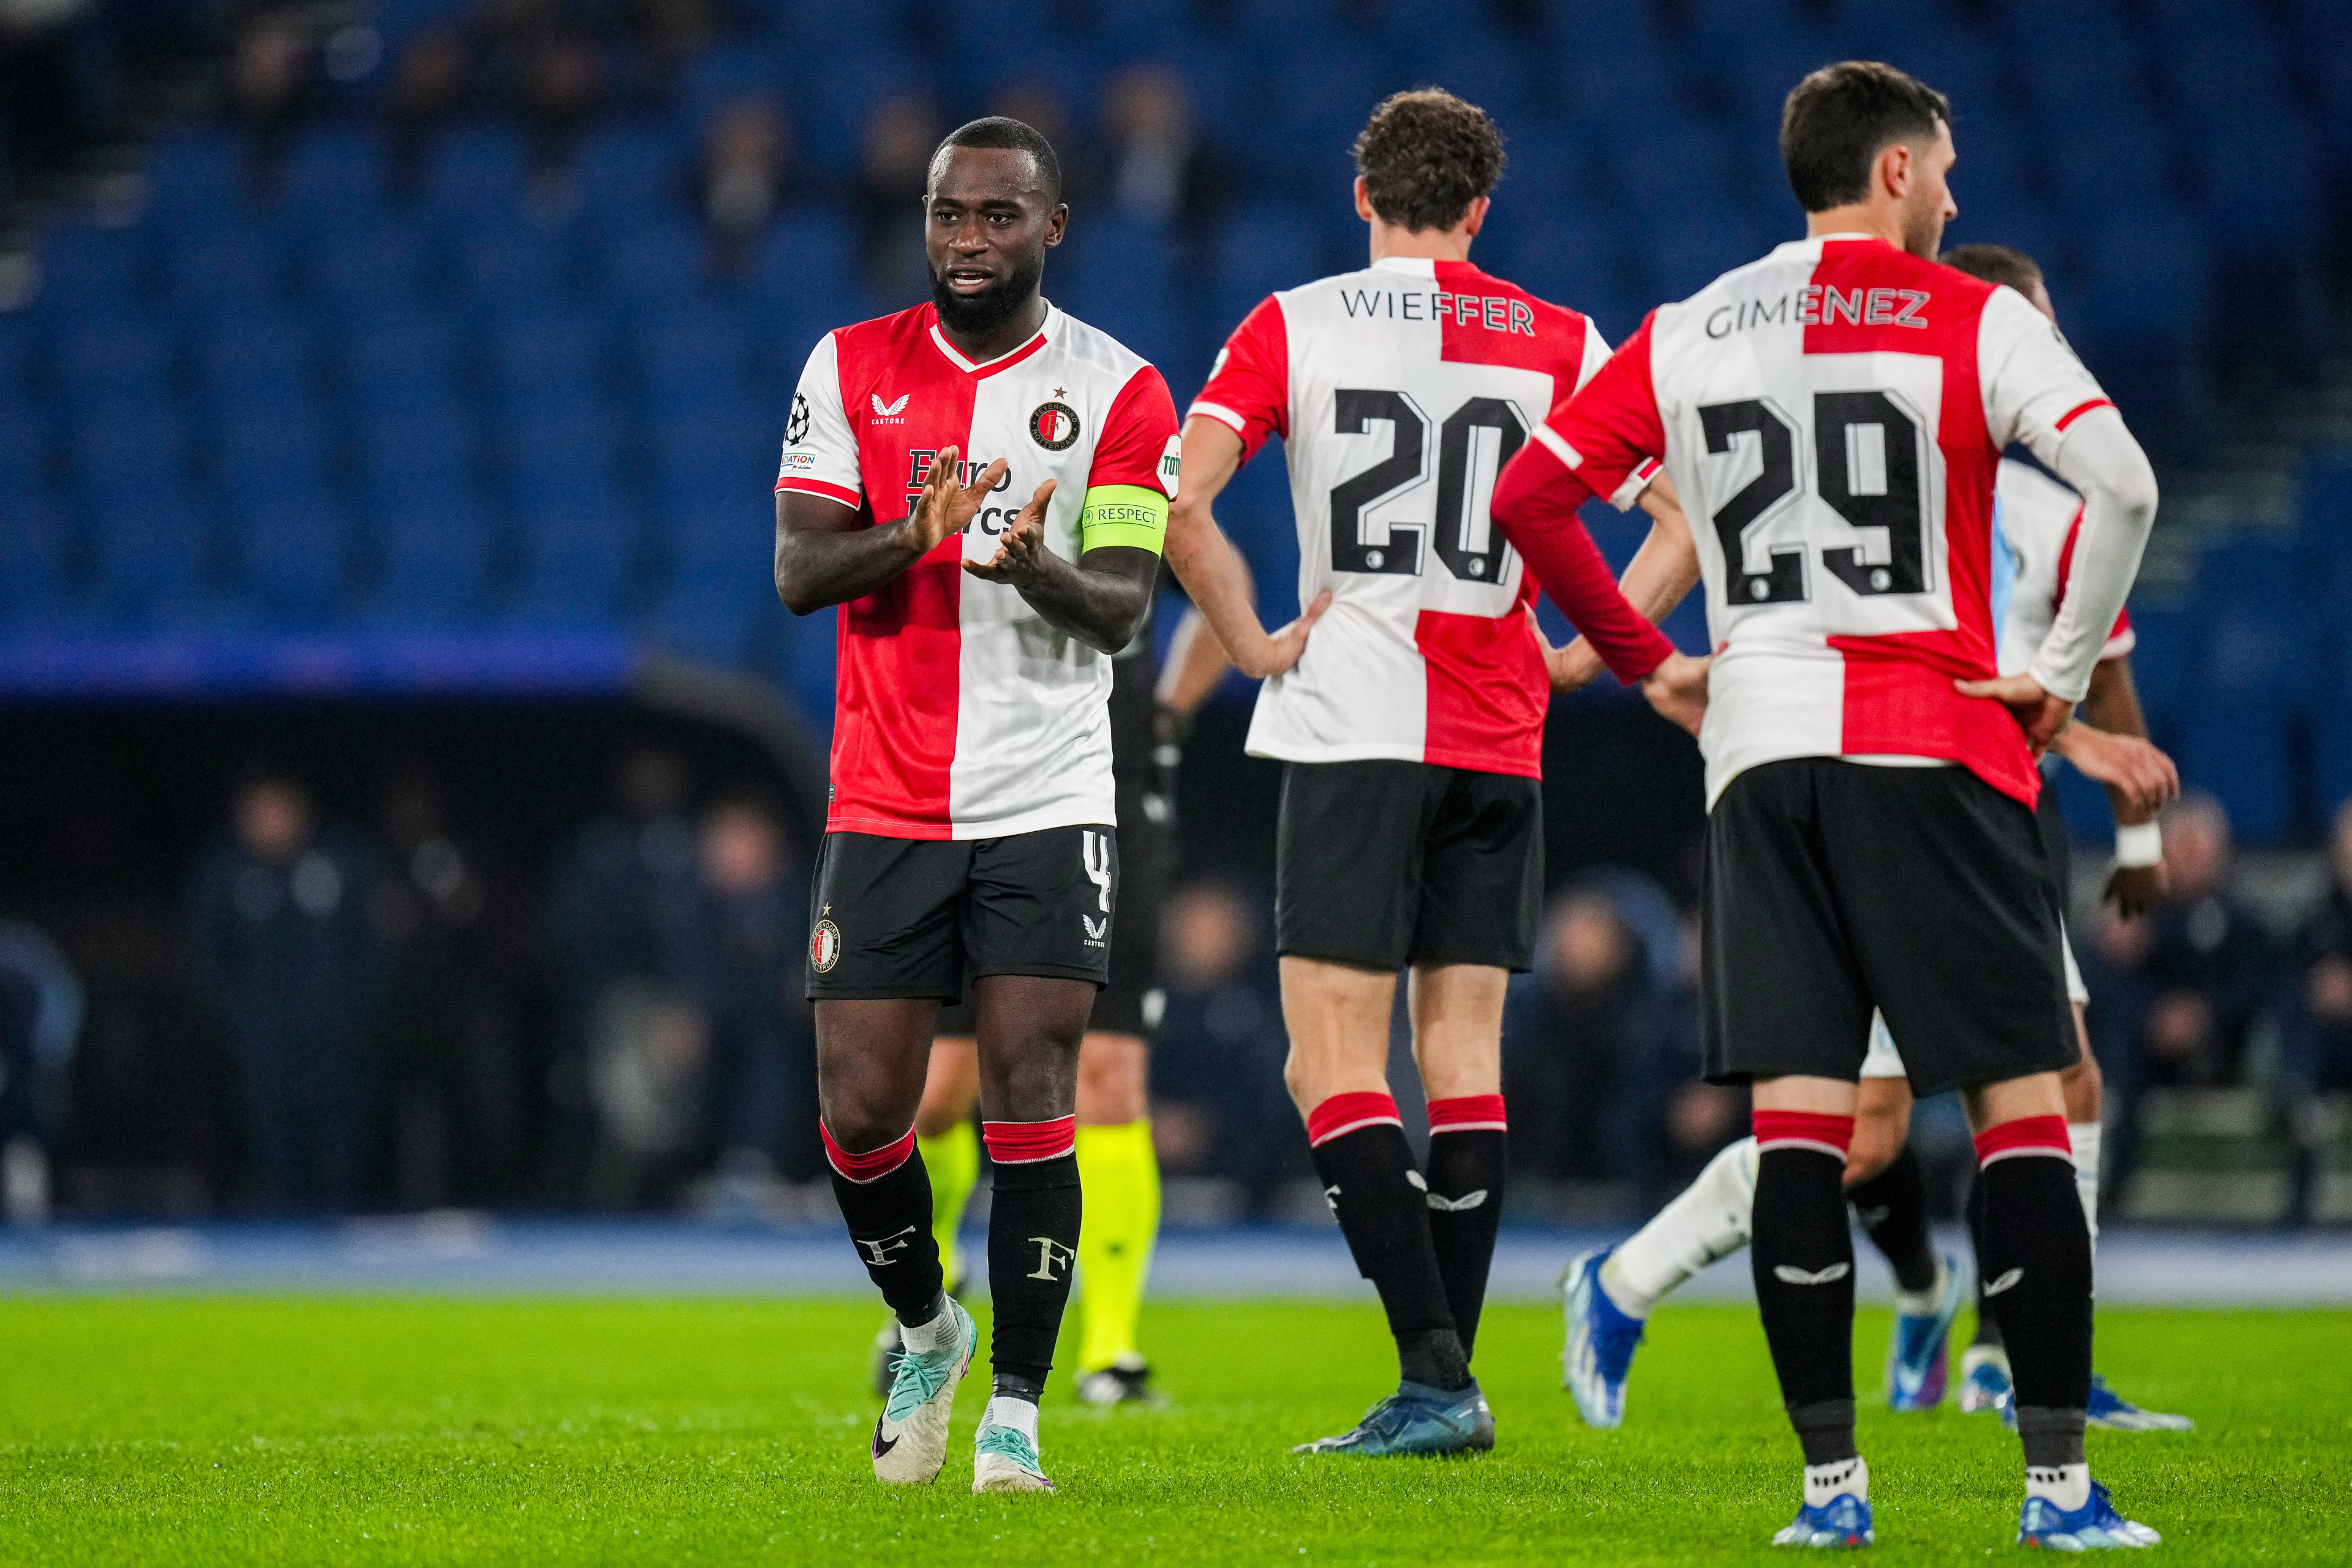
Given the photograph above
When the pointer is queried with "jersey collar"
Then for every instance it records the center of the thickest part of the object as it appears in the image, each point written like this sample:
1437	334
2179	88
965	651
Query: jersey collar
1419	265
1002	361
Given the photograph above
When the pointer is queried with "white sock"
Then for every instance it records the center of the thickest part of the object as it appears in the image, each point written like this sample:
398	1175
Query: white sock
1006	1410
2067	1486
1920	1303
922	1339
2085	1137
1825	1483
1711	1218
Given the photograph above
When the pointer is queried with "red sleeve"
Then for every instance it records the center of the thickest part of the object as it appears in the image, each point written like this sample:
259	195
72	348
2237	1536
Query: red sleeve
1534	503
1249	386
1609	434
1138	434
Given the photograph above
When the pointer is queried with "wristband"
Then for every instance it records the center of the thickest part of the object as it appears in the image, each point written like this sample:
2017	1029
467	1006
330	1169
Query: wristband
2139	845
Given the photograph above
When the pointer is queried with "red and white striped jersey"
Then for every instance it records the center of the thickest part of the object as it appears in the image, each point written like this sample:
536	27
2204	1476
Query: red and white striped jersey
1832	415
2038	518
960	712
1400	392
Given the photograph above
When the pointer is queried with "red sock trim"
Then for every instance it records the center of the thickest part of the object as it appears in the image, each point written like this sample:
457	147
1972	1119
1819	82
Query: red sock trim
1468	1113
1814	1130
2026	1135
1343	1113
1026	1142
871	1166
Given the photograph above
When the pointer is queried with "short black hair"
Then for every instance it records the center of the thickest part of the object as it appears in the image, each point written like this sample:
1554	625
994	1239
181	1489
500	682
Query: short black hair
1017	135
1996	264
1838	119
1425	156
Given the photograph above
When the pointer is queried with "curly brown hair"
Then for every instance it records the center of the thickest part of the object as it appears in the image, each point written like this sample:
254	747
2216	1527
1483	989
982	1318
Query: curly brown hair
1425	156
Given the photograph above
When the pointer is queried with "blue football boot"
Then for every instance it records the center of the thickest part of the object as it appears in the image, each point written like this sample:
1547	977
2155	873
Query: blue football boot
2094	1527
1917	1365
1416	1419
2117	1413
1600	1341
1984	1381
1844	1520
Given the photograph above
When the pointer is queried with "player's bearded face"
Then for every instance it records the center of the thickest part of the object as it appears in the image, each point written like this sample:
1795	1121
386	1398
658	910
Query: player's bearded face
993	306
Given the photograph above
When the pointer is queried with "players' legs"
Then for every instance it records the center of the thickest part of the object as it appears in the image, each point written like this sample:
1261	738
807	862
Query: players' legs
1338	1017
1887	1189
1121	1178
1457	1041
872	1056
1802	1260
1030	1027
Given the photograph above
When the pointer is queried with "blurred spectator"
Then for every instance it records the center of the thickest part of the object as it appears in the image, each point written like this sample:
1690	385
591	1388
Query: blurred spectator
559	82
2174	995
292	966
431	85
269	89
451	1046
2315	1019
615	877
1159	170
741	182
671	32
1598	1039
734	943
1218	1105
1037	104
894	167
41	1011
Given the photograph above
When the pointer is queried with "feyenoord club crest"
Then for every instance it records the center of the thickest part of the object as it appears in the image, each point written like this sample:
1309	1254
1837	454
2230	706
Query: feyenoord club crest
824	947
1054	425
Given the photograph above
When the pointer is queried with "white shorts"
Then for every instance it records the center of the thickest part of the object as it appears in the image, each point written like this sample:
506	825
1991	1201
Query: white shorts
1882	1060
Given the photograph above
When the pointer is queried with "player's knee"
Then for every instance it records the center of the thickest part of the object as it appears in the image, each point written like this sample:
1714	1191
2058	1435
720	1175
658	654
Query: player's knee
861	1127
1873	1149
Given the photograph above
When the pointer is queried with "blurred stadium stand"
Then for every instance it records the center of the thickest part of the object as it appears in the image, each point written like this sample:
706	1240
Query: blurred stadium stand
322	373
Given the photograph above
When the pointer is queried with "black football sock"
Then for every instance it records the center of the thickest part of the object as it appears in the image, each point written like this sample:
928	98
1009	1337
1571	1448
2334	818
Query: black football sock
1802	1257
1988	1325
1893	1208
1366	1166
1467	1162
2035	1256
886	1198
1033	1247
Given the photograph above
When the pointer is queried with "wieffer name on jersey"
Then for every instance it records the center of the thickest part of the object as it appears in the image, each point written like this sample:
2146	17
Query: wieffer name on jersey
1834	416
960	712
1400	391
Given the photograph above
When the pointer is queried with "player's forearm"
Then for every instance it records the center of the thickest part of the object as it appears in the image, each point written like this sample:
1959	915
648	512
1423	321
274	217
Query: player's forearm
2113	702
1195	664
1535	505
1101	600
1665	569
814	569
2106	465
1218	580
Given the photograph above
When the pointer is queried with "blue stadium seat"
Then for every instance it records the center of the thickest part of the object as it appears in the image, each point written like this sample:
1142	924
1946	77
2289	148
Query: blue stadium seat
710	616
384	265
2165	661
334	176
430	564
629	176
131	451
27	451
2242	754
85	270
423	449
158	560
37	553
260	360
655	271
399	361
262	445
2332	749
691	358
546	361
577	551
479	171
505	264
236	267
296	545
1116	275
1261	248
195	178
128	358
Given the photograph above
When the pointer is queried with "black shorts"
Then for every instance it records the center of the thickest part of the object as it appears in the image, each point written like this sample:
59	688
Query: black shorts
918	917
1835	886
1383	863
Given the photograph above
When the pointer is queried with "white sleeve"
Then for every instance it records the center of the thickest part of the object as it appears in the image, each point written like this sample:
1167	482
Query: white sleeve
820	447
2035	388
2098	457
1596	354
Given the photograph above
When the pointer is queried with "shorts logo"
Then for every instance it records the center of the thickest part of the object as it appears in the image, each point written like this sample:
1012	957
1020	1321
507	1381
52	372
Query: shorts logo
824	947
1054	425
2007	1281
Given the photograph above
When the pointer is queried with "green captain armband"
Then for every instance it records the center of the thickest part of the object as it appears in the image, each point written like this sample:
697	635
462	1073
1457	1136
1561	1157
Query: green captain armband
1132	515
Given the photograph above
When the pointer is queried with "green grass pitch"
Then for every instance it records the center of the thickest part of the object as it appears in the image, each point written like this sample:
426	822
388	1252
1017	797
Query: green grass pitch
168	1430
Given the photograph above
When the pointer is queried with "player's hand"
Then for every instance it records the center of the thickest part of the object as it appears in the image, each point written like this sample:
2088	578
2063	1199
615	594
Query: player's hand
2135	890
1677	689
1021	552
1571	669
946	507
2037	712
1281	650
2141	779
